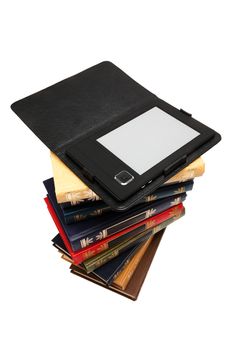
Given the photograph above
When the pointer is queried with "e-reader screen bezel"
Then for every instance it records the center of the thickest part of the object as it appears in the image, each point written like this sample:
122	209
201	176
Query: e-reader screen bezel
101	165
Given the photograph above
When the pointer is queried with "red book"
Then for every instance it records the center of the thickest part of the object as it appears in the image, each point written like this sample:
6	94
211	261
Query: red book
94	249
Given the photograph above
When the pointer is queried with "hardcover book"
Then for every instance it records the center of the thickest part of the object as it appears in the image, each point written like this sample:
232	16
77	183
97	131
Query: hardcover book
107	272
102	258
96	229
59	244
88	209
67	258
94	249
122	279
134	286
70	189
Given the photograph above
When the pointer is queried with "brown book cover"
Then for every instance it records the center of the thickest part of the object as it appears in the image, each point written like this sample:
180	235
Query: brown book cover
123	278
134	286
66	258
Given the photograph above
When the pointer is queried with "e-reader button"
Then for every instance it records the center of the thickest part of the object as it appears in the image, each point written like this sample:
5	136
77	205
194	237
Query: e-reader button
124	177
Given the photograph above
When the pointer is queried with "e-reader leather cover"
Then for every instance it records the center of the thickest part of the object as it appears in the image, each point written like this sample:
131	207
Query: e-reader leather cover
68	111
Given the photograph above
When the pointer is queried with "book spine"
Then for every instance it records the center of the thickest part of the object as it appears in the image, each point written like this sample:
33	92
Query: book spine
87	240
120	270
169	190
113	253
83	215
122	279
93	263
126	263
126	257
95	249
77	197
86	253
193	170
80	213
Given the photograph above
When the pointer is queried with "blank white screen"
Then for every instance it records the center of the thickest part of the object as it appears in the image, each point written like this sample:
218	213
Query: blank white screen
146	140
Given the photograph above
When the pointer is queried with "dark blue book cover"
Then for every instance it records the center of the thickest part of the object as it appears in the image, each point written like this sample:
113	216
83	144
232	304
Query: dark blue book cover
84	210
59	244
108	271
95	229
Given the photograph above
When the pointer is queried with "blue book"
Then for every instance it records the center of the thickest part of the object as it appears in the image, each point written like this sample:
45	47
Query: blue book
92	230
87	209
108	271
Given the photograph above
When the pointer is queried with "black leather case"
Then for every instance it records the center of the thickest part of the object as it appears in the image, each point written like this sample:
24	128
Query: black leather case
63	113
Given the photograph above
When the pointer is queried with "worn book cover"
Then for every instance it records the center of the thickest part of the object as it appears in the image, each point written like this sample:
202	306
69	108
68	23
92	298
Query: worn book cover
70	189
134	286
85	210
85	253
95	229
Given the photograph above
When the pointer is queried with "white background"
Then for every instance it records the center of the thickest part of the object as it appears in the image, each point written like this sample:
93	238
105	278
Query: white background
180	50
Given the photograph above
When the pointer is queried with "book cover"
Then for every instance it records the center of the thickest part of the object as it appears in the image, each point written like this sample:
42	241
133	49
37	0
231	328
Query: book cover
59	244
107	272
122	279
102	258
135	284
195	169
111	253
85	253
70	189
85	210
67	258
95	229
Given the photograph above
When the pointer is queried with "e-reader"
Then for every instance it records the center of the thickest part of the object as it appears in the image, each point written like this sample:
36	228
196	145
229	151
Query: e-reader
122	140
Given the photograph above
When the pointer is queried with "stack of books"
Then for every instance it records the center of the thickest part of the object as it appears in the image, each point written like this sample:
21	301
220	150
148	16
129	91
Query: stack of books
113	249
